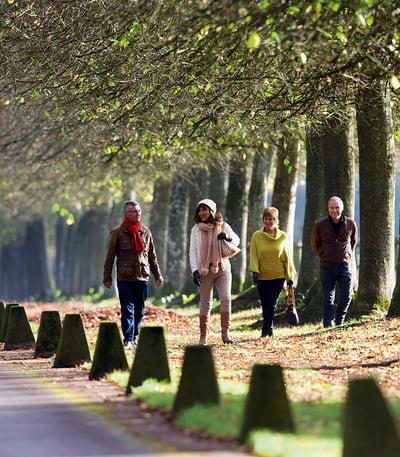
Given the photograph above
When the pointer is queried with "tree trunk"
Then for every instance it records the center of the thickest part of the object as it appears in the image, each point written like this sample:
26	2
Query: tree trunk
394	309
89	250
376	149
177	233
24	265
258	192
333	174
159	220
315	208
237	215
218	186
284	194
338	149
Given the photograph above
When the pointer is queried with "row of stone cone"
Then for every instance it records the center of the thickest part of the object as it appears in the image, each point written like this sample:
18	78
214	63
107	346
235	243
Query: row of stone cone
369	427
68	342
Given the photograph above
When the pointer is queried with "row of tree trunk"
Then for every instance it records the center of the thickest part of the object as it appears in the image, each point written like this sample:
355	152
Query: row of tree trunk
32	268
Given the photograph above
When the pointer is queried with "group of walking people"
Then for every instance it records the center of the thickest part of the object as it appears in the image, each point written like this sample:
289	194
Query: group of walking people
333	239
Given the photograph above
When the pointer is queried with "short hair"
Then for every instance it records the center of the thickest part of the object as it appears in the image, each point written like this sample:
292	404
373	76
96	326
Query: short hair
338	199
129	203
273	212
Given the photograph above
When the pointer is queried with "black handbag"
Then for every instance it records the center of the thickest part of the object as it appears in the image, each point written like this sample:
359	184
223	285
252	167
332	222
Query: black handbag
291	313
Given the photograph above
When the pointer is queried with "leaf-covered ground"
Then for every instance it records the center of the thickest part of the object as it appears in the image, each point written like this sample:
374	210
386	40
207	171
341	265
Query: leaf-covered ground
317	363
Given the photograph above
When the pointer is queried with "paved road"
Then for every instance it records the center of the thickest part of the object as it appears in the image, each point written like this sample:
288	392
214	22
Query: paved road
36	421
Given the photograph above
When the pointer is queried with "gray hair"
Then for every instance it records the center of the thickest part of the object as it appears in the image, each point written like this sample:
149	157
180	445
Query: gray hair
130	203
334	197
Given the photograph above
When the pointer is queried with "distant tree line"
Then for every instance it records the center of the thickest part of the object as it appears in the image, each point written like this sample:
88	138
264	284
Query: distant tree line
175	101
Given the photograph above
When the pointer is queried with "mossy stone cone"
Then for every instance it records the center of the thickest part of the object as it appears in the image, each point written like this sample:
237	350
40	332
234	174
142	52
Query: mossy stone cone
109	354
198	383
151	360
48	334
369	427
72	349
267	405
19	333
4	321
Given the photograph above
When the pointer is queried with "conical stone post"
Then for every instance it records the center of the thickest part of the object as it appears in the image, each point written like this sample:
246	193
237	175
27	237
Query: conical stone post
48	334
267	405
109	354
19	333
4	321
198	383
369	426
151	360
72	349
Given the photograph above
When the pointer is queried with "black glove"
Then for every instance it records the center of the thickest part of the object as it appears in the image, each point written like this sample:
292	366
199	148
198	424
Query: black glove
222	236
197	278
255	278
289	282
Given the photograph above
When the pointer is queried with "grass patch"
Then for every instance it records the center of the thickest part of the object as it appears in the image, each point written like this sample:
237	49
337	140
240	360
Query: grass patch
284	445
317	365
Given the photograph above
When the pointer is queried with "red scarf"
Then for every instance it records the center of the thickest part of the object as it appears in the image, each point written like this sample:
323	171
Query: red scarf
137	242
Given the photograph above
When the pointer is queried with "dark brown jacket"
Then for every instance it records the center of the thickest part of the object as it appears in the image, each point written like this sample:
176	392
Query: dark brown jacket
332	250
130	266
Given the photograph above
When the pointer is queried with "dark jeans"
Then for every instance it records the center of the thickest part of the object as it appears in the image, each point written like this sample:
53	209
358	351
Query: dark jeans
132	297
269	291
329	276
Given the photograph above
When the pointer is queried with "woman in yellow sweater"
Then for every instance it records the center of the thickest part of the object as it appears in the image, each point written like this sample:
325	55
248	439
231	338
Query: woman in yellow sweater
270	264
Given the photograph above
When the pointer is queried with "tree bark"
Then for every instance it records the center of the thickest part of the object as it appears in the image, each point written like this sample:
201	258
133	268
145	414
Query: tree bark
25	273
314	209
284	194
177	233
394	308
258	192
376	149
218	186
338	150
237	215
159	220
330	168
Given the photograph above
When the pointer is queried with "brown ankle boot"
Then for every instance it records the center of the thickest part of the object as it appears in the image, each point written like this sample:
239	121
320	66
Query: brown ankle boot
203	329
225	326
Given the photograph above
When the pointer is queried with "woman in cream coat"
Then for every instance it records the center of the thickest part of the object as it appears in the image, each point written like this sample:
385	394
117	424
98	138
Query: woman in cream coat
208	267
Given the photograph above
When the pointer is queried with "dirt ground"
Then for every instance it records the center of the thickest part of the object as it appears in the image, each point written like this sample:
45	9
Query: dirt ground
106	397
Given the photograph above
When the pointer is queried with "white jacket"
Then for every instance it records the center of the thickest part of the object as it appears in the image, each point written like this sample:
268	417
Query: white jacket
195	240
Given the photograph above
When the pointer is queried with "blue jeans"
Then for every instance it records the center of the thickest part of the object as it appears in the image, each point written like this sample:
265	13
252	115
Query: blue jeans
269	291
132	297
329	276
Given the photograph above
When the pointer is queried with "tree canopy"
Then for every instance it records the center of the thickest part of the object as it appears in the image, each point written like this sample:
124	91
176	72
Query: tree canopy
93	92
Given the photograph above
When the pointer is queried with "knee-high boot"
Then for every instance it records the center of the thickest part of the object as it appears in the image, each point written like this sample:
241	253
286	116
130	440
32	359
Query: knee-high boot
204	321
225	327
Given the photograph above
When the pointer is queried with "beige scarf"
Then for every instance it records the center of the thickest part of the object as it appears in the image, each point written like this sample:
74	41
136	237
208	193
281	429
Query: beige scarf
210	252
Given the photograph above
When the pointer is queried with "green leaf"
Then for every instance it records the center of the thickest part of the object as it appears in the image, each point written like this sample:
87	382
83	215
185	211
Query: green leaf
254	41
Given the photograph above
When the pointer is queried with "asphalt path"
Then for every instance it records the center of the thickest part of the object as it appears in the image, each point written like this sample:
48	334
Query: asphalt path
37	421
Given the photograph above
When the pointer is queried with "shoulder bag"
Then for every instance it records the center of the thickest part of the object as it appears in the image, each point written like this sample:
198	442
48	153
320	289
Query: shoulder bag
228	249
291	312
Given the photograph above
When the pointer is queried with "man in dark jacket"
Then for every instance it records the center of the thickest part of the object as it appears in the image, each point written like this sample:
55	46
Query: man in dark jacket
334	239
132	244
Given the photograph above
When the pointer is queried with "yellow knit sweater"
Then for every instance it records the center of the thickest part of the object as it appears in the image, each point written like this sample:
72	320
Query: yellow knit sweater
270	255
